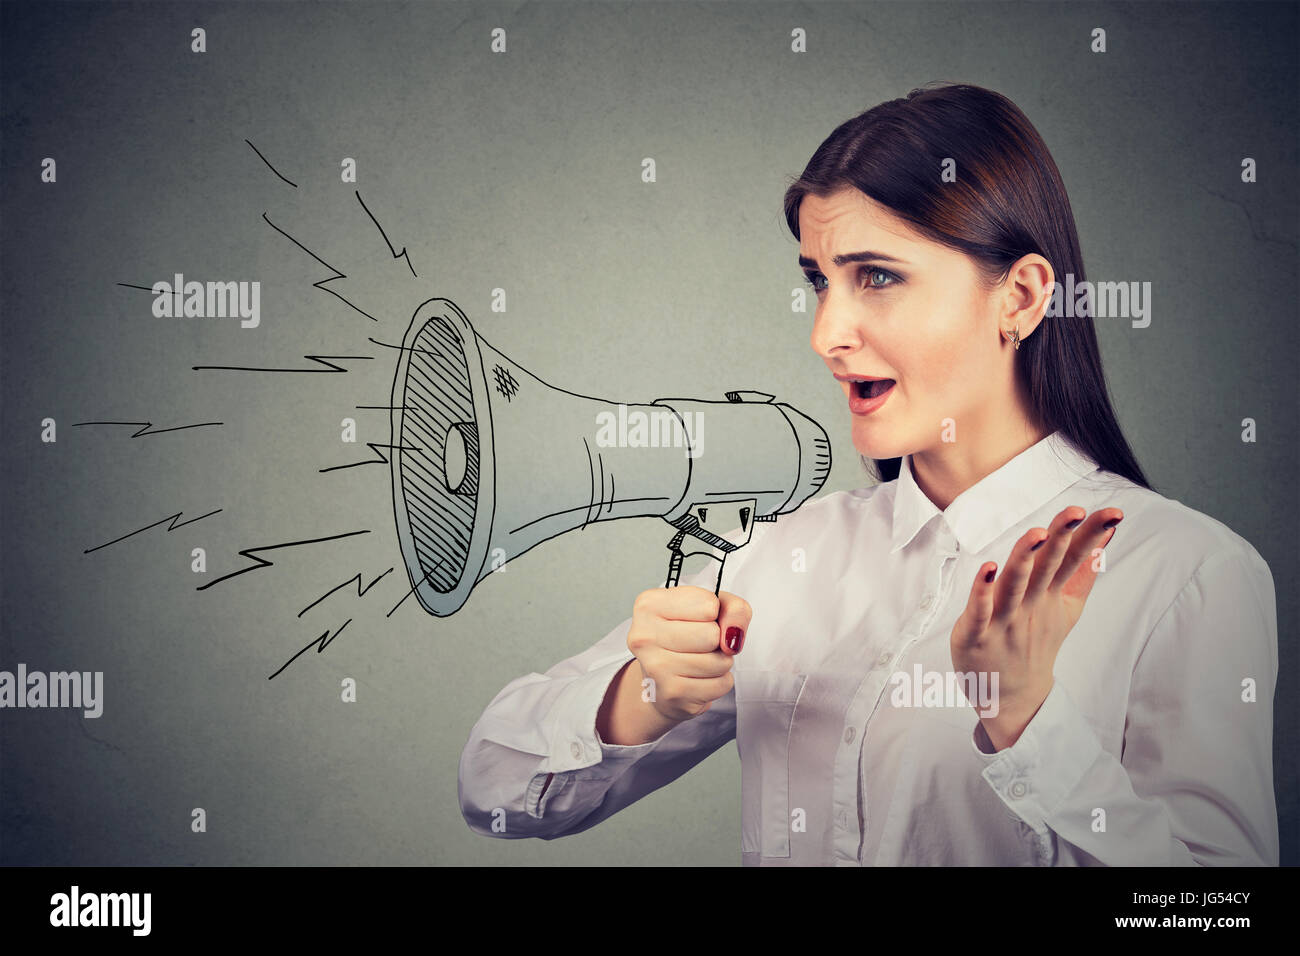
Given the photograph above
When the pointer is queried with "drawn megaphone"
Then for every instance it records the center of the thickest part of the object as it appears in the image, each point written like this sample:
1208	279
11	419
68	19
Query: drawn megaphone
488	461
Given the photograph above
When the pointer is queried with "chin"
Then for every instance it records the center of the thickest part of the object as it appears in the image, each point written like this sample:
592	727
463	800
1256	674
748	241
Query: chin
875	447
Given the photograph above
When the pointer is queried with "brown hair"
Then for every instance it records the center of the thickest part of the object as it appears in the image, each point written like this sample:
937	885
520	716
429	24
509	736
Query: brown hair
1008	201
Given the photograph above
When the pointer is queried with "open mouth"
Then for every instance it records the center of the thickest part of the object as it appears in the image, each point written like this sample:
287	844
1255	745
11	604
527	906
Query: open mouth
872	389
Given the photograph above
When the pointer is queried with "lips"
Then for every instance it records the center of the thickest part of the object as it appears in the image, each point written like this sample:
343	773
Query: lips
866	395
866	392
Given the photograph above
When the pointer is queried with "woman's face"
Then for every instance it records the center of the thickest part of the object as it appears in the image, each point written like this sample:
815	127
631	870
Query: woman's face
908	309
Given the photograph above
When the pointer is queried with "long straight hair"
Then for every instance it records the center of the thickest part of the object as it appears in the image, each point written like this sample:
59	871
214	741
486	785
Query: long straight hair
1007	201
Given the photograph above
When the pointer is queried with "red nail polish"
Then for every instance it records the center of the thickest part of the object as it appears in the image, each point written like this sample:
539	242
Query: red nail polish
735	639
1039	545
1073	524
1112	522
988	578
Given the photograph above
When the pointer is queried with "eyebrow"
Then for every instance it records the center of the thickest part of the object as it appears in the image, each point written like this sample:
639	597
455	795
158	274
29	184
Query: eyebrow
867	256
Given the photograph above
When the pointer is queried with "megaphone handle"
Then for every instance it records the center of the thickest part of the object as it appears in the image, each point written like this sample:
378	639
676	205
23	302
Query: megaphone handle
675	564
674	569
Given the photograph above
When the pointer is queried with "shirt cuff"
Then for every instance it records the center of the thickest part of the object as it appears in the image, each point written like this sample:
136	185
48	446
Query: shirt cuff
1037	774
576	750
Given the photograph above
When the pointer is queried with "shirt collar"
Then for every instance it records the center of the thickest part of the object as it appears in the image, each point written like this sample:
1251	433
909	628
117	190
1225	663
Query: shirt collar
998	500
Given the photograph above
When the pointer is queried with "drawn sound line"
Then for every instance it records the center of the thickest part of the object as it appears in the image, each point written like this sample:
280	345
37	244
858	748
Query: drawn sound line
321	284
379	460
269	166
263	563
146	426
171	527
396	254
319	643
319	359
361	592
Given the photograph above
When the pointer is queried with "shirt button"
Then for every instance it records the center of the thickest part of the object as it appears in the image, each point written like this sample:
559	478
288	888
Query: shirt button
575	748
926	602
884	659
1018	789
843	819
848	735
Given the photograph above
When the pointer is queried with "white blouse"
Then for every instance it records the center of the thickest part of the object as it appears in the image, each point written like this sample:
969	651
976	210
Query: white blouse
1154	746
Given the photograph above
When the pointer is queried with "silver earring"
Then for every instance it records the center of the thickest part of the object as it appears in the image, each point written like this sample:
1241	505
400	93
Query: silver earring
1015	337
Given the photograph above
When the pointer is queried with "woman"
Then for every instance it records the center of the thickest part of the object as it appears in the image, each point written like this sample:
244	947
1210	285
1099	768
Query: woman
932	230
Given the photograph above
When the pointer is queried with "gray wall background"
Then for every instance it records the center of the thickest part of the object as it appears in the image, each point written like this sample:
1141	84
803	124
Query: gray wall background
519	171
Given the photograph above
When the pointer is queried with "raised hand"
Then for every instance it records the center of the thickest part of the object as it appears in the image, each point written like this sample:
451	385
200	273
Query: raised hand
1015	623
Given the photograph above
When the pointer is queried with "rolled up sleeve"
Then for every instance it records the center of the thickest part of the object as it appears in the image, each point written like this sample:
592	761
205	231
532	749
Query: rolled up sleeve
535	766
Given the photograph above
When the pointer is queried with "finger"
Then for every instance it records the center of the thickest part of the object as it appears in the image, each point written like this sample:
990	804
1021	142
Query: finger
686	637
1011	585
697	666
683	603
733	621
980	605
1094	534
707	689
1048	558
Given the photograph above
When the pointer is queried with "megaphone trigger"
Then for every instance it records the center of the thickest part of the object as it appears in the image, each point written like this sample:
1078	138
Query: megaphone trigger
700	532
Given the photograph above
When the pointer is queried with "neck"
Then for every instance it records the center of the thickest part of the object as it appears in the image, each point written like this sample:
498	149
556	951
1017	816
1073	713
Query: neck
945	470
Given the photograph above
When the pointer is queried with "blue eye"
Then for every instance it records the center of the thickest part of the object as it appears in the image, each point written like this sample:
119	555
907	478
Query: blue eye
813	278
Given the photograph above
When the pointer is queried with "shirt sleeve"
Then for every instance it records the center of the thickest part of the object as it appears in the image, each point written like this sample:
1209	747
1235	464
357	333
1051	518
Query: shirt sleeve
534	765
1194	782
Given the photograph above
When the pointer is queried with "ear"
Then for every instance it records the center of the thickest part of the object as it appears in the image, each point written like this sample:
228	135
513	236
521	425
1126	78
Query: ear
1027	292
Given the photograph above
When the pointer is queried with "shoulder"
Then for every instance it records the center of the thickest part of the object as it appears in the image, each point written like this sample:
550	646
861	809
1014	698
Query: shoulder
1163	533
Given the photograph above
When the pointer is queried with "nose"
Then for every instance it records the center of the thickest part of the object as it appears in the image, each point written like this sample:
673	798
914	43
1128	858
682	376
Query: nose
836	331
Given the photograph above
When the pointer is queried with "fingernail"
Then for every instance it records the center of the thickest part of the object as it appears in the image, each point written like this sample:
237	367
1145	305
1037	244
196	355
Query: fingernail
988	578
1039	545
1112	522
735	639
1073	524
